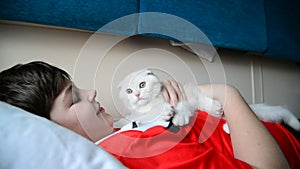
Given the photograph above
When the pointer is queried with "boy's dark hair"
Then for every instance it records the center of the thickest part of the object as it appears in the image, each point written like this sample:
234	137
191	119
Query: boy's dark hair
32	86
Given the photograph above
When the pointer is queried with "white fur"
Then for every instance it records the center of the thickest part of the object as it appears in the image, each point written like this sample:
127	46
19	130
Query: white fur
275	114
151	106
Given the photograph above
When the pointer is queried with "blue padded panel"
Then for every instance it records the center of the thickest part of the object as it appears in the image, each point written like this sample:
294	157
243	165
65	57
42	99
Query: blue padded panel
230	24
87	14
283	24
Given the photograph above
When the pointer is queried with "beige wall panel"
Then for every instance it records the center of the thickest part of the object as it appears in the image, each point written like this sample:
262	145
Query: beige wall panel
100	61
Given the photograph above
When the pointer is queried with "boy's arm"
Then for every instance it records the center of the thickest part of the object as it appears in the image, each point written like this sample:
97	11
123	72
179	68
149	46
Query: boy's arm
251	141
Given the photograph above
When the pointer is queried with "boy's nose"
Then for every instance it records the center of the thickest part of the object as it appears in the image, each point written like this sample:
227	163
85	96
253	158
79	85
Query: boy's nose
92	96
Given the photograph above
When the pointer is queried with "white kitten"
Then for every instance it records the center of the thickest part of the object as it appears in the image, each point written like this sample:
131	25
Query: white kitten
141	93
276	114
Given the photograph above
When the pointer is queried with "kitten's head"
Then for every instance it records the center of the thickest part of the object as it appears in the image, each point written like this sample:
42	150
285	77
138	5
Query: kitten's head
139	88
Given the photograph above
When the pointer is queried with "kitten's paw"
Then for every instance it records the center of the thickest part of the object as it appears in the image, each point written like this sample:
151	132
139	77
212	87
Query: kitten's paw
167	113
180	120
182	115
216	109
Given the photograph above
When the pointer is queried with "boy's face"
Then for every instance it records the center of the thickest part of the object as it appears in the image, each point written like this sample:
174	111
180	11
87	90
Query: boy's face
77	110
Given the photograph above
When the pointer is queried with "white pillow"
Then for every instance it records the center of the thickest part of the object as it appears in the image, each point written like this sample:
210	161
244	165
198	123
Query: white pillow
31	142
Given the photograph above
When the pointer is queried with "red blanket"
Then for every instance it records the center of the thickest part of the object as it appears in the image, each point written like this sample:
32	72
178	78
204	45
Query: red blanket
203	145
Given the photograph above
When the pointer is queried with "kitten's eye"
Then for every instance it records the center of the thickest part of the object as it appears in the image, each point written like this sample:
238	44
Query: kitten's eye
142	84
129	91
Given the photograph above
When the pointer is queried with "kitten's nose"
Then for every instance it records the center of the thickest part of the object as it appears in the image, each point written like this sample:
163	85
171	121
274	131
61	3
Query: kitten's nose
137	95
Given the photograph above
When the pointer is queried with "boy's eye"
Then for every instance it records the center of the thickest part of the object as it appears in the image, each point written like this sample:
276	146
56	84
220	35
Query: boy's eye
142	84
75	100
129	91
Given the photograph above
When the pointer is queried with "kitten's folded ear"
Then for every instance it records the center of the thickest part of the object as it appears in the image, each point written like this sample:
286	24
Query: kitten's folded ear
120	84
125	80
149	72
133	74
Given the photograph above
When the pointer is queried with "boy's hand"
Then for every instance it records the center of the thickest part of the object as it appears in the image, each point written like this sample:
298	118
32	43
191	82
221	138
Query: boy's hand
173	92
